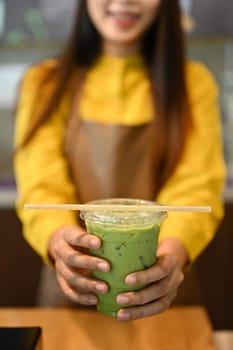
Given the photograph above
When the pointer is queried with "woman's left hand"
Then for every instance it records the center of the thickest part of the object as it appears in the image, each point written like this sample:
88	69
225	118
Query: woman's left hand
164	278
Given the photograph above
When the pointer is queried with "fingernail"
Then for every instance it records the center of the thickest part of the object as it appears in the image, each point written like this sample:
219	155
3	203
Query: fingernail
131	280
122	316
122	300
100	288
92	301
102	266
94	243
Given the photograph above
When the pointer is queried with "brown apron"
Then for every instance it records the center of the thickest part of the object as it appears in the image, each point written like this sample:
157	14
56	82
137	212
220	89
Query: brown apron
106	161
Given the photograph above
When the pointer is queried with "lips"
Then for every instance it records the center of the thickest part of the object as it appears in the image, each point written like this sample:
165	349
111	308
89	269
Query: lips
124	19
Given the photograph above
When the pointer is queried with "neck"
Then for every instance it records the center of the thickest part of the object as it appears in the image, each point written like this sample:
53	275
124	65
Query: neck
122	50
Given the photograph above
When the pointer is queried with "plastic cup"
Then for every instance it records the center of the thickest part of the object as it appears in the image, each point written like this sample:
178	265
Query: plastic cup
129	243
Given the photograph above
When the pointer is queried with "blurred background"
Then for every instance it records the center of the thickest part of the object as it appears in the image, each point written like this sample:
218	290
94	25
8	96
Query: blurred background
36	29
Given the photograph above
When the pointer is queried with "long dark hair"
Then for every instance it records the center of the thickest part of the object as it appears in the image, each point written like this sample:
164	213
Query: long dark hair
164	54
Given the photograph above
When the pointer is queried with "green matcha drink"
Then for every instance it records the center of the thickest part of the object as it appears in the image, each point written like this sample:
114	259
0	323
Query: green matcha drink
129	243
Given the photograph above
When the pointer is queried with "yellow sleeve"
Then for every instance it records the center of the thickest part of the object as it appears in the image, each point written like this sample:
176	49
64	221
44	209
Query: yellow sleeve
41	170
200	176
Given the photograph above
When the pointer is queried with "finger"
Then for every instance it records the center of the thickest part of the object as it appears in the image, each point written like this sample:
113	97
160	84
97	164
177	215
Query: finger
78	237
75	295
161	269
153	292
79	280
74	258
150	309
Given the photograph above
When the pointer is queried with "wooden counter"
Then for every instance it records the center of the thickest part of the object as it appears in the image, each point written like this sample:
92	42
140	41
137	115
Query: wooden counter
186	328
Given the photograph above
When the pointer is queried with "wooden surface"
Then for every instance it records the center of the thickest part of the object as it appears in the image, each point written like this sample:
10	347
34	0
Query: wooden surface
186	328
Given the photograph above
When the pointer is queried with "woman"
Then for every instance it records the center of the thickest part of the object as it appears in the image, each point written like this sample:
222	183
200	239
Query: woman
119	114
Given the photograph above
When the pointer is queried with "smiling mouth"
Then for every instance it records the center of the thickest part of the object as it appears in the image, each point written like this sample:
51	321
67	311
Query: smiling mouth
123	19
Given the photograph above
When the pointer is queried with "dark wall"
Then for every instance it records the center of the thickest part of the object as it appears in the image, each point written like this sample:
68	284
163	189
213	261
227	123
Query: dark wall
215	268
210	280
19	265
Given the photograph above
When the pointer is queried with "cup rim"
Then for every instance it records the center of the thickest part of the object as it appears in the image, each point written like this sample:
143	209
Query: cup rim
123	218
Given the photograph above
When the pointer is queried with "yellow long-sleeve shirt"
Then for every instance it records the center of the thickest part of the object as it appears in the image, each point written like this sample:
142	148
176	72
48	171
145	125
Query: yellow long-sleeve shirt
117	91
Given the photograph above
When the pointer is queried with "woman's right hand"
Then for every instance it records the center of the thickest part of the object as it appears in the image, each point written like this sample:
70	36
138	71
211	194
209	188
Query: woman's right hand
69	251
